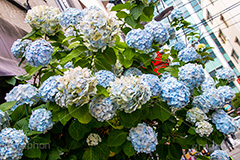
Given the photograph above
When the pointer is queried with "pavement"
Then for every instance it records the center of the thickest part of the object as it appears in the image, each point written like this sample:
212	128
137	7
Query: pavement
235	154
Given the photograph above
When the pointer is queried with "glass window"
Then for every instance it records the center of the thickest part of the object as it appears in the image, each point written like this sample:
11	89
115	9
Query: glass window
212	55
231	64
226	56
237	41
224	21
222	36
209	16
235	55
236	72
213	73
222	50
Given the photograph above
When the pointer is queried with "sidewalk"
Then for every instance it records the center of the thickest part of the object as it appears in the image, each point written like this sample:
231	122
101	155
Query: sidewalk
235	154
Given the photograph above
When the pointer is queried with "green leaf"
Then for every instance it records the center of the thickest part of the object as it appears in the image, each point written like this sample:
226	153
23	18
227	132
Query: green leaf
191	131
18	113
19	125
73	54
34	70
41	139
116	138
129	53
77	130
30	34
68	38
127	63
130	21
126	30
102	64
53	154
203	157
121	6
146	59
64	116
160	111
102	91
32	152
53	106
121	14
7	105
148	11
137	11
110	56
130	118
71	157
80	113
175	150
74	45
201	141
102	151
165	57
90	155
11	81
128	149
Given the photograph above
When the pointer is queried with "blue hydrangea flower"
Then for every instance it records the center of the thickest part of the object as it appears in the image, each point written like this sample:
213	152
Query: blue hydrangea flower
176	13
71	16
238	123
23	94
208	83
195	114
203	128
49	89
4	120
164	76
219	155
202	103
224	123
192	75
226	73
132	71
45	18
19	47
129	93
66	66
139	39
153	82
77	85
41	120
214	99
179	46
143	138
158	31
12	144
104	77
117	69
175	93
39	53
98	30
172	32
102	108
226	92
188	55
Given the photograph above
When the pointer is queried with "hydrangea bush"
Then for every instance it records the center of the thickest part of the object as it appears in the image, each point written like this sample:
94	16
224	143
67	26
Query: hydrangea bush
91	91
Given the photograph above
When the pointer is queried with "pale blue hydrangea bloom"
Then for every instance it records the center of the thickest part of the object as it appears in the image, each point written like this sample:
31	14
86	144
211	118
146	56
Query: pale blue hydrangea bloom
176	13
174	64
93	139
226	73
117	69
77	85
172	32
98	29
238	123
48	89
219	155
188	55
45	18
203	128
132	71
214	99
224	123
179	46
139	39
195	114
227	92
19	47
208	83
40	120
39	53
129	93
61	99
154	83
104	77
192	75
102	108
158	31
143	138
66	66
4	120
164	76
202	103
12	144
23	94
175	93
71	16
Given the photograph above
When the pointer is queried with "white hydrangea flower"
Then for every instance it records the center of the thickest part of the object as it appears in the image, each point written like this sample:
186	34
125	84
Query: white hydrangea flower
195	114
129	93
93	139
203	128
77	85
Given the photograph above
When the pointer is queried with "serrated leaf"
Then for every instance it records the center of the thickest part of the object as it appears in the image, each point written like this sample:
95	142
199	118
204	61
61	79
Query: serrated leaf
201	141
121	6
33	152
7	105
121	14
129	53
64	116
116	138
77	130
30	34
90	155
137	11
80	113
74	45
53	154
102	151
68	38
130	21
128	149
110	56
73	54
102	91
175	150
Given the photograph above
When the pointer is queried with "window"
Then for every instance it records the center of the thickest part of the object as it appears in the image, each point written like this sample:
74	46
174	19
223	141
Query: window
235	55
62	4
224	21
222	36
237	41
209	16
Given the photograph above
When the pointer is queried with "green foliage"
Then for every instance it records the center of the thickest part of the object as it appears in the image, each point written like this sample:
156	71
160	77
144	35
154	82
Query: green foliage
236	101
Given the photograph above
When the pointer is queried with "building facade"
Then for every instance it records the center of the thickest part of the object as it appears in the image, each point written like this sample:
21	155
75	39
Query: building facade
195	12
